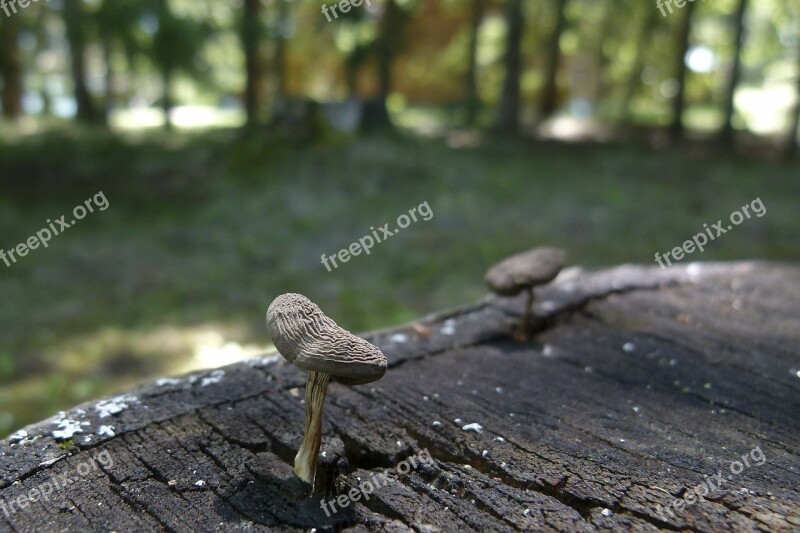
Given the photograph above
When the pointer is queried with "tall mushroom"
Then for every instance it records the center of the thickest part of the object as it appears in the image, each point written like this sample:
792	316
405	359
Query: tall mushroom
523	272
311	341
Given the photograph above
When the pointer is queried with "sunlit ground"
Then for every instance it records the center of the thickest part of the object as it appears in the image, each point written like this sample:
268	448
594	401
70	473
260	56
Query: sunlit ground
763	110
183	117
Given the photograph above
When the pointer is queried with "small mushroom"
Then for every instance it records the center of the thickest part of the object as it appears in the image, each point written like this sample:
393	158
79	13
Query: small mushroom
311	341
523	272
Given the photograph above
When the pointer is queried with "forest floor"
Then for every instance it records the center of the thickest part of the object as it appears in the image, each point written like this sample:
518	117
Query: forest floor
202	231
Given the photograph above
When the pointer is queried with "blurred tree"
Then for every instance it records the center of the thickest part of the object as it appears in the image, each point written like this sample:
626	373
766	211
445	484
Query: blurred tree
77	25
355	40
791	146
10	67
116	21
472	98
251	43
41	32
175	47
354	60
387	45
279	63
600	60
508	110
676	128
726	134
648	18
550	93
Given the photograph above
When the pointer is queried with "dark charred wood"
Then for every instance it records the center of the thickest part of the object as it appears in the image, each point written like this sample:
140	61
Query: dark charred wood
638	385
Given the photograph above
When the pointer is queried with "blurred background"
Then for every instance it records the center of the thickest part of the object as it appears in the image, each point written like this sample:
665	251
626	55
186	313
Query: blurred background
238	141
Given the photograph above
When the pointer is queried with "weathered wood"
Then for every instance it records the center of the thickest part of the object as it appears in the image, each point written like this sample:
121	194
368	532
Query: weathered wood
638	384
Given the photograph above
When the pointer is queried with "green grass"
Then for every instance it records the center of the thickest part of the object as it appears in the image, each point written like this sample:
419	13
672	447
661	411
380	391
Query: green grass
202	233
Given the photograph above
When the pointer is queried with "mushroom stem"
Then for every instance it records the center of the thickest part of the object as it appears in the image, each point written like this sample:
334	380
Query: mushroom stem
522	327
305	462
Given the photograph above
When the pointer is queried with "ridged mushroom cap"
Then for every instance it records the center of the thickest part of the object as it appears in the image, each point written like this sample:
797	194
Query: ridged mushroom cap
307	338
527	269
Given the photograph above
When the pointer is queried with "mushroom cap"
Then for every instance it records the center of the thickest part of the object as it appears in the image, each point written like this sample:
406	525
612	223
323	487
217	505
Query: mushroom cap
527	269
307	338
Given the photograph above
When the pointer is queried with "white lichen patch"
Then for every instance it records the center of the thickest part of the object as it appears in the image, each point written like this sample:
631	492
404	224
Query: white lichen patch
67	428
472	428
106	431
114	406
18	436
629	347
167	381
399	338
263	361
548	306
449	327
215	377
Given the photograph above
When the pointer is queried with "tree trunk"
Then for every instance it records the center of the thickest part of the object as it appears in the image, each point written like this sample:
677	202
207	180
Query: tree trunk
472	97
166	103
351	79
606	25
550	93
649	19
726	134
386	50
376	115
10	67
791	147
110	86
677	129
386	53
509	107
279	73
251	39
75	21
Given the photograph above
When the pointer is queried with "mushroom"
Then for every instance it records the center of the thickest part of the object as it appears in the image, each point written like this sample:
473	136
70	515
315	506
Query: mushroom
523	272
311	341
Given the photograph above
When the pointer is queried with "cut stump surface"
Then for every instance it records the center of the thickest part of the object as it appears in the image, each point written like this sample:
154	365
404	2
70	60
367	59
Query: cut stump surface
640	388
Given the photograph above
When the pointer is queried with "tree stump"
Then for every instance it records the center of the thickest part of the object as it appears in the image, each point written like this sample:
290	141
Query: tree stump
640	389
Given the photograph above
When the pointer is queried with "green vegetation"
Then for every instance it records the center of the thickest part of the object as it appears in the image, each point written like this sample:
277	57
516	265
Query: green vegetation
202	232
